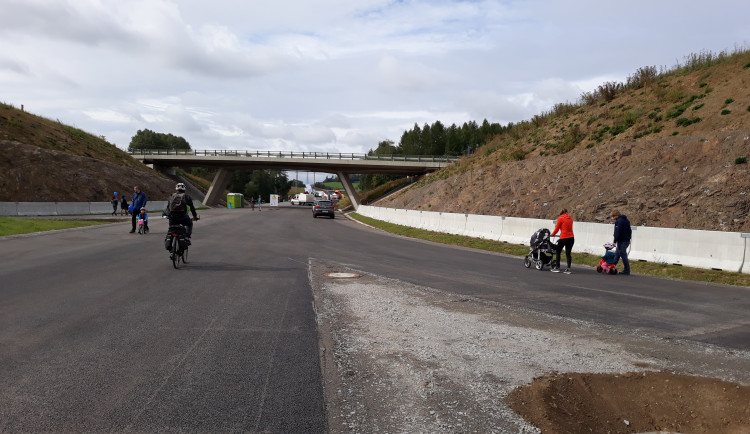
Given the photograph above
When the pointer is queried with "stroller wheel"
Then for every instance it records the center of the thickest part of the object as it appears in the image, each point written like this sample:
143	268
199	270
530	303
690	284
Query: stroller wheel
538	264
527	261
599	269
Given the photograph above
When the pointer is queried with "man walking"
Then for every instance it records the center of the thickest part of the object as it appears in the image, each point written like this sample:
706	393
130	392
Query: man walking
622	237
139	201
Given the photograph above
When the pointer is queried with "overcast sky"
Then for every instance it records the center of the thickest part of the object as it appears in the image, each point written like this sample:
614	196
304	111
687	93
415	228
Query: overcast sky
332	75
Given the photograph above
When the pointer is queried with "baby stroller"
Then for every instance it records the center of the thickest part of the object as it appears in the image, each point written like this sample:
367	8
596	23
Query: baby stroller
609	260
542	250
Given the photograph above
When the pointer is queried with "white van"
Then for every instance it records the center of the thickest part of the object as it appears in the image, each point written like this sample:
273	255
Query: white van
303	199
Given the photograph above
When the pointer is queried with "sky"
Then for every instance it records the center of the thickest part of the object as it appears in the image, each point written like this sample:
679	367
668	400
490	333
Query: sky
333	75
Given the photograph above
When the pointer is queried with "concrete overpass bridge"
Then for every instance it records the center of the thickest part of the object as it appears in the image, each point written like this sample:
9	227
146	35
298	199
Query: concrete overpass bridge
342	164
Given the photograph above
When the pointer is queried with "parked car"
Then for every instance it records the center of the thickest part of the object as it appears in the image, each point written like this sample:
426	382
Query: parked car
323	207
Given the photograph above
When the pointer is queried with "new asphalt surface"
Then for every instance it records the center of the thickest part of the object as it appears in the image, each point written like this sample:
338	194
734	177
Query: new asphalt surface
98	333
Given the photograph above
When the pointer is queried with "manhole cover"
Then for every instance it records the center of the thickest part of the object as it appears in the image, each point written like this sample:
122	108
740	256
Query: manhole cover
342	275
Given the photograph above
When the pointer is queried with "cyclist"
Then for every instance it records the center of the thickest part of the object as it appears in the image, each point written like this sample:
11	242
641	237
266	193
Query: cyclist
177	209
143	216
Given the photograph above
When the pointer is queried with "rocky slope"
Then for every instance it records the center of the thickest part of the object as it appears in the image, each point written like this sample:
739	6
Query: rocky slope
683	182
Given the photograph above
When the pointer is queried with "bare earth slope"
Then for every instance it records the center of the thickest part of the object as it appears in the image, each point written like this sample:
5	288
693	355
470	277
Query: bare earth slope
683	182
33	174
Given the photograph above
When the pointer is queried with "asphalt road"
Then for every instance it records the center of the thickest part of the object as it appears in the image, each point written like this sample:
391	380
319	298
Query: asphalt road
99	333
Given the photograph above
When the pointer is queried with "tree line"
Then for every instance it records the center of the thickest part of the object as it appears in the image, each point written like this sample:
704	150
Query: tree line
436	139
433	139
147	139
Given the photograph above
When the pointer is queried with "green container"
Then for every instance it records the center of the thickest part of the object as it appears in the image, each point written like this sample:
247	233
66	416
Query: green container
235	200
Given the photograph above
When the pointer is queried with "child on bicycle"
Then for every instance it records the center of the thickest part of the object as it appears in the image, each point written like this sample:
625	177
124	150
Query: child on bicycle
143	217
609	260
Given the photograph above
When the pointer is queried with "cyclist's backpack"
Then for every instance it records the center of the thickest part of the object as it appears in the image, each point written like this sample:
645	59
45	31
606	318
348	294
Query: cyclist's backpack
177	203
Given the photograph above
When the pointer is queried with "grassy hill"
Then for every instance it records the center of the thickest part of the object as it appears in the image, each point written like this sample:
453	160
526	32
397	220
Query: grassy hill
667	147
45	160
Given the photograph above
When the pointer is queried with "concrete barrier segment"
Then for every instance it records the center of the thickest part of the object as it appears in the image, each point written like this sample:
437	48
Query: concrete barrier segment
37	208
451	223
519	230
8	208
484	226
693	248
75	208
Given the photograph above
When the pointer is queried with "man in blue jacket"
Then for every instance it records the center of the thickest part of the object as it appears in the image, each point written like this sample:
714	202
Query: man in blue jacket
139	201
622	240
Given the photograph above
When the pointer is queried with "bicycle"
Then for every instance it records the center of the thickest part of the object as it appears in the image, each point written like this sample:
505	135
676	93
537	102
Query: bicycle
142	227
179	243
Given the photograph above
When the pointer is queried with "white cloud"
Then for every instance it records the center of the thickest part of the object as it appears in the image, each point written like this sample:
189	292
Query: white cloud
331	75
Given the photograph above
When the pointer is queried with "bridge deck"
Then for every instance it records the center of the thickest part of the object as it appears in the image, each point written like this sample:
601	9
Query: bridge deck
313	161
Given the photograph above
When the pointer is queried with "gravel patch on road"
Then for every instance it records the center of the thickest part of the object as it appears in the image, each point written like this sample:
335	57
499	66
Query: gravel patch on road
398	357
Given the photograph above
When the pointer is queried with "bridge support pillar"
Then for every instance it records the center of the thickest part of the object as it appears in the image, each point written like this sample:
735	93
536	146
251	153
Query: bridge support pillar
219	184
349	188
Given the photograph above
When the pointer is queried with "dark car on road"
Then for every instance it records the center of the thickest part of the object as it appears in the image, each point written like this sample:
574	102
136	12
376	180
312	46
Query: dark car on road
323	207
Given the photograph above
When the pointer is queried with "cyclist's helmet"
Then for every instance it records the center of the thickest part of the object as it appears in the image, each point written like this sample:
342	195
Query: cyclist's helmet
180	187
609	246
143	209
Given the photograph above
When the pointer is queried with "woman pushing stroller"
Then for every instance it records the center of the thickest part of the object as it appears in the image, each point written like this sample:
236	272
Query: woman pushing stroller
565	226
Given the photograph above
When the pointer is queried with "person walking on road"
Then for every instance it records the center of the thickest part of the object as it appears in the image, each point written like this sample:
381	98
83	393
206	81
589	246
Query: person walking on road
139	201
124	205
114	202
565	226
622	236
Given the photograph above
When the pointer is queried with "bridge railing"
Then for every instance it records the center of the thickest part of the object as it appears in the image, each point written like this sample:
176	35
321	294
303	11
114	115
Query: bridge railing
294	154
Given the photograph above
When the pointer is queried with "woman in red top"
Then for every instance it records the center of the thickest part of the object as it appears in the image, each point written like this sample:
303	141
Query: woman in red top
565	226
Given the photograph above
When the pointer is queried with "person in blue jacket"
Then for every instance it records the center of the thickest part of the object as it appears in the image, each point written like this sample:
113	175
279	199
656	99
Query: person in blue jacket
139	201
622	236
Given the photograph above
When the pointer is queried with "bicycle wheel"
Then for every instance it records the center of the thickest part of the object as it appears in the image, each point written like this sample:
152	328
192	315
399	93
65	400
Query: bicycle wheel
175	253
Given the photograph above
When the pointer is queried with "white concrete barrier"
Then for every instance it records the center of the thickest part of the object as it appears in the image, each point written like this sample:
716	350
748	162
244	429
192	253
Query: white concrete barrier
484	226
8	208
71	208
701	249
37	208
451	223
519	230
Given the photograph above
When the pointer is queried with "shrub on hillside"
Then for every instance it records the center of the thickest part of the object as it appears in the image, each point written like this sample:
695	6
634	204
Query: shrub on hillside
643	77
683	122
609	90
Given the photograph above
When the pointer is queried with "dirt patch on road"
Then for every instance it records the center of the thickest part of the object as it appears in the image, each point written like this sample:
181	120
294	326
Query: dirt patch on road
633	403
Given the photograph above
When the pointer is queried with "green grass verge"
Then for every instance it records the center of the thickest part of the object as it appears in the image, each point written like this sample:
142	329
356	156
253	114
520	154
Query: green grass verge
637	267
339	186
13	226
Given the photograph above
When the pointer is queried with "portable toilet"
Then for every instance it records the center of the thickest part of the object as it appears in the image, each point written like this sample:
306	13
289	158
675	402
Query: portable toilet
235	200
